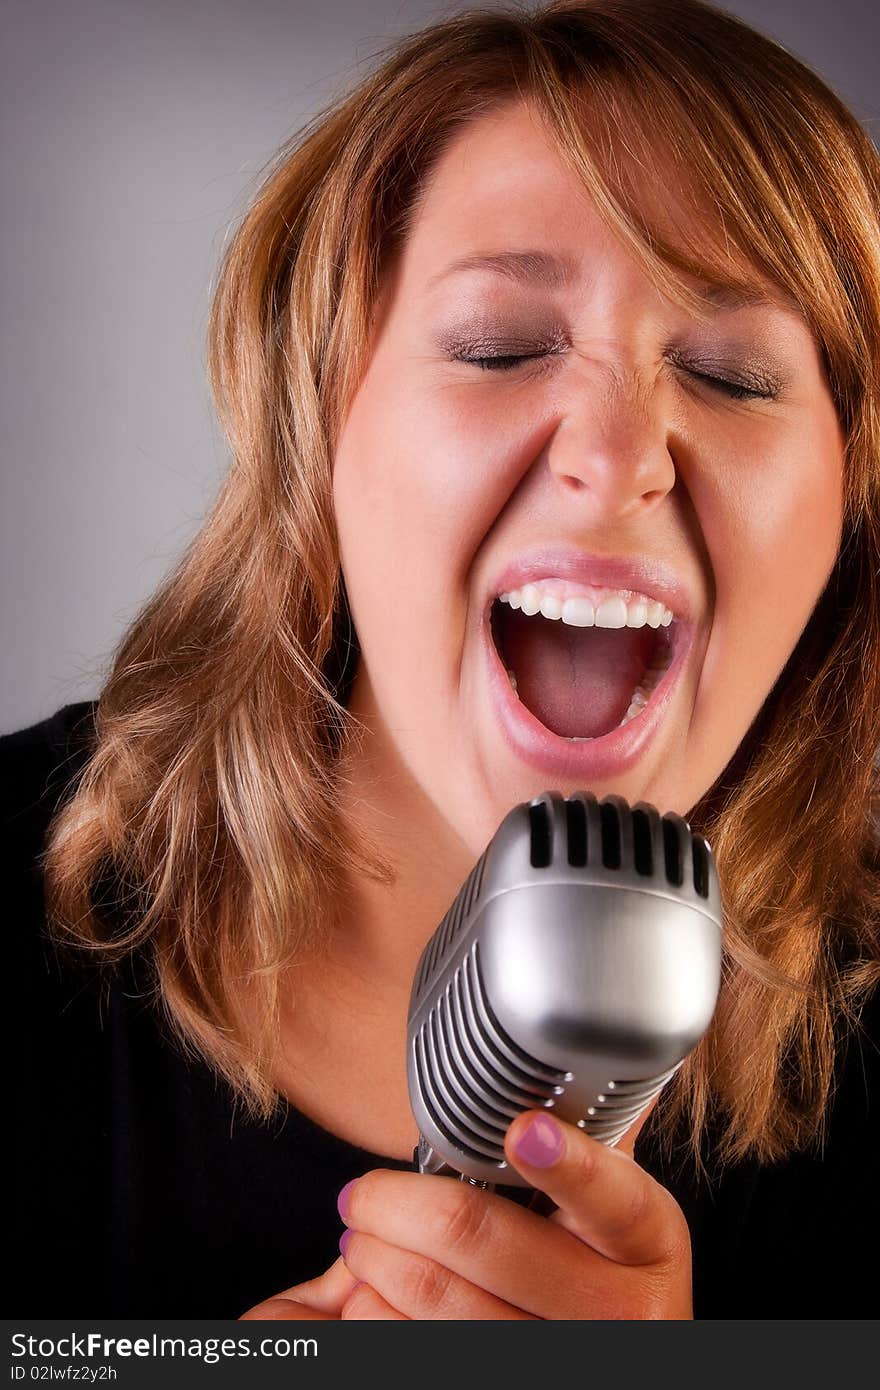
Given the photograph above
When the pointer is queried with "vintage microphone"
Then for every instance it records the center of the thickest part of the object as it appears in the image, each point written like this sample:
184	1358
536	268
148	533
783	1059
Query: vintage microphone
578	966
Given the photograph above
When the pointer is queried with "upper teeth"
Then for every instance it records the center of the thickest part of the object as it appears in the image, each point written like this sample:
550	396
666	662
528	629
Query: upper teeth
557	598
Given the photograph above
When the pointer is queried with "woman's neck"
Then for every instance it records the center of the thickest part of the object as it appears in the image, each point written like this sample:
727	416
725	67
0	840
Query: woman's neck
381	930
345	1008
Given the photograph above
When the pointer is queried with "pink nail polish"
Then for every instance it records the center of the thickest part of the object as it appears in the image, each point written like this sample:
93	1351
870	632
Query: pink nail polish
344	1240
542	1142
343	1201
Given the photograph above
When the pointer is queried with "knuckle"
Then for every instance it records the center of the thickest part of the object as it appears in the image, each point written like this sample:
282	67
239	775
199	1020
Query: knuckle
673	1234
639	1206
678	1243
426	1285
633	1210
587	1157
650	1298
656	1295
601	1301
363	1192
462	1221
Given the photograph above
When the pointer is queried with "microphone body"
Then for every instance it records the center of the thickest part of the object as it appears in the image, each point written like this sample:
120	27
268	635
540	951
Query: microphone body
578	966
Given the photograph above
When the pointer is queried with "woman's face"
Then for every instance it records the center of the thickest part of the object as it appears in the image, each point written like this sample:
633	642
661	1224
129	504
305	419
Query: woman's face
604	469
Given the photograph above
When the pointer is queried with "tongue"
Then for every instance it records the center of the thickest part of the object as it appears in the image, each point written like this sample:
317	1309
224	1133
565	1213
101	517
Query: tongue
578	681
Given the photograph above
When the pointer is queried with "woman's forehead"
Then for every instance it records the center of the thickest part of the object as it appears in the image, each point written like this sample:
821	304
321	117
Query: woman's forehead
504	196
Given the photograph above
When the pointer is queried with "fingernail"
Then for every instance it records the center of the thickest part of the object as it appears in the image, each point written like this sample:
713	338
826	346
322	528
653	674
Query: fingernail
343	1242
541	1143
343	1201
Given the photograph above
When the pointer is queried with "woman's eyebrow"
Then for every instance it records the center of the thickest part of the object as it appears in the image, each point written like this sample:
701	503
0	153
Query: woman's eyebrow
729	297
552	270
535	266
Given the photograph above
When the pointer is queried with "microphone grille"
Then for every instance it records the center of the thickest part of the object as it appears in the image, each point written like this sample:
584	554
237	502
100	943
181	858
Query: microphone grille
473	1078
457	919
582	832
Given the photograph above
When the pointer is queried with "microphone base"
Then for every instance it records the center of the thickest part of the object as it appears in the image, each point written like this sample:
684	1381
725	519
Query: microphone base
427	1160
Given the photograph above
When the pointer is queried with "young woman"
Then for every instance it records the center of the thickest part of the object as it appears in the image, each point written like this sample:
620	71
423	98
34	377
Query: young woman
588	299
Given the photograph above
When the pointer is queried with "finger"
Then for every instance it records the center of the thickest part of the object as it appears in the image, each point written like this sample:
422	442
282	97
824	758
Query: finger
285	1309
420	1287
366	1305
527	1262
603	1196
326	1293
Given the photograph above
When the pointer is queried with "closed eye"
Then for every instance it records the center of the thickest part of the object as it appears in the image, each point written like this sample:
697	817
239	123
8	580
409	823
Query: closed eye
499	363
735	390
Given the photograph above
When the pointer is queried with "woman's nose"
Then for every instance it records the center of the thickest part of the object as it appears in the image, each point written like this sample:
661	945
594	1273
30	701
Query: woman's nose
611	452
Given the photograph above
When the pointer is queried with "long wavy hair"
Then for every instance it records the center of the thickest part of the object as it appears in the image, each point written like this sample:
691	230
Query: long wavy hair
206	832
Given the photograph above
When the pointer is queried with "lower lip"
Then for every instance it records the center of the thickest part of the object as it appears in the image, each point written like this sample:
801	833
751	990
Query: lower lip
600	758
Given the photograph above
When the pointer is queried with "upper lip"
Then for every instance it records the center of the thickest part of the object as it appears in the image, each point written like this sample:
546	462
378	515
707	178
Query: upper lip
648	575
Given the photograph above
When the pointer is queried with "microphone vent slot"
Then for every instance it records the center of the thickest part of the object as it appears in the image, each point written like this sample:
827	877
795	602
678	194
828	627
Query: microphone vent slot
576	826
474	1079
615	1109
672	851
610	834
687	857
701	866
541	848
643	853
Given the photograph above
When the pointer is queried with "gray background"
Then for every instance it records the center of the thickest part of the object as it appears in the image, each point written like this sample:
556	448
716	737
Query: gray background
132	134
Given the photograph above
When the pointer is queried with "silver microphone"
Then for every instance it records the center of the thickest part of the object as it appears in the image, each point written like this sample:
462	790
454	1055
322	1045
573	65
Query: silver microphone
578	966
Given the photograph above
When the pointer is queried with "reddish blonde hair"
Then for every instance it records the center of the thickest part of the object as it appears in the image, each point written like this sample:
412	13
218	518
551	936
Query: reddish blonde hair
206	831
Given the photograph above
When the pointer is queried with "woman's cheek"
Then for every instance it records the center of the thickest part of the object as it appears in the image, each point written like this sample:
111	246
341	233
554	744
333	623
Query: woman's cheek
493	438
473	454
770	519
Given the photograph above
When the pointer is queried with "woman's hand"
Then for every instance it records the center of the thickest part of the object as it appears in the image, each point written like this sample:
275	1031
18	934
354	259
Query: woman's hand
430	1247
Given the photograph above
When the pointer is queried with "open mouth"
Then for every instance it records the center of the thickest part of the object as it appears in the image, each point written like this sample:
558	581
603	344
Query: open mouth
581	683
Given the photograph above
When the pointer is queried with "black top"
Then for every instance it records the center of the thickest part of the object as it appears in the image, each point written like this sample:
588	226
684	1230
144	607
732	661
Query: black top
141	1190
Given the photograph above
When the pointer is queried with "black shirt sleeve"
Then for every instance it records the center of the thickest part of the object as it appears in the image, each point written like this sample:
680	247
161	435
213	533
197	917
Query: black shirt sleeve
141	1190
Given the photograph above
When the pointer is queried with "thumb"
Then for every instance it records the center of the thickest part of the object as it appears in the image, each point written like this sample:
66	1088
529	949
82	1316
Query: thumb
603	1195
328	1291
322	1296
